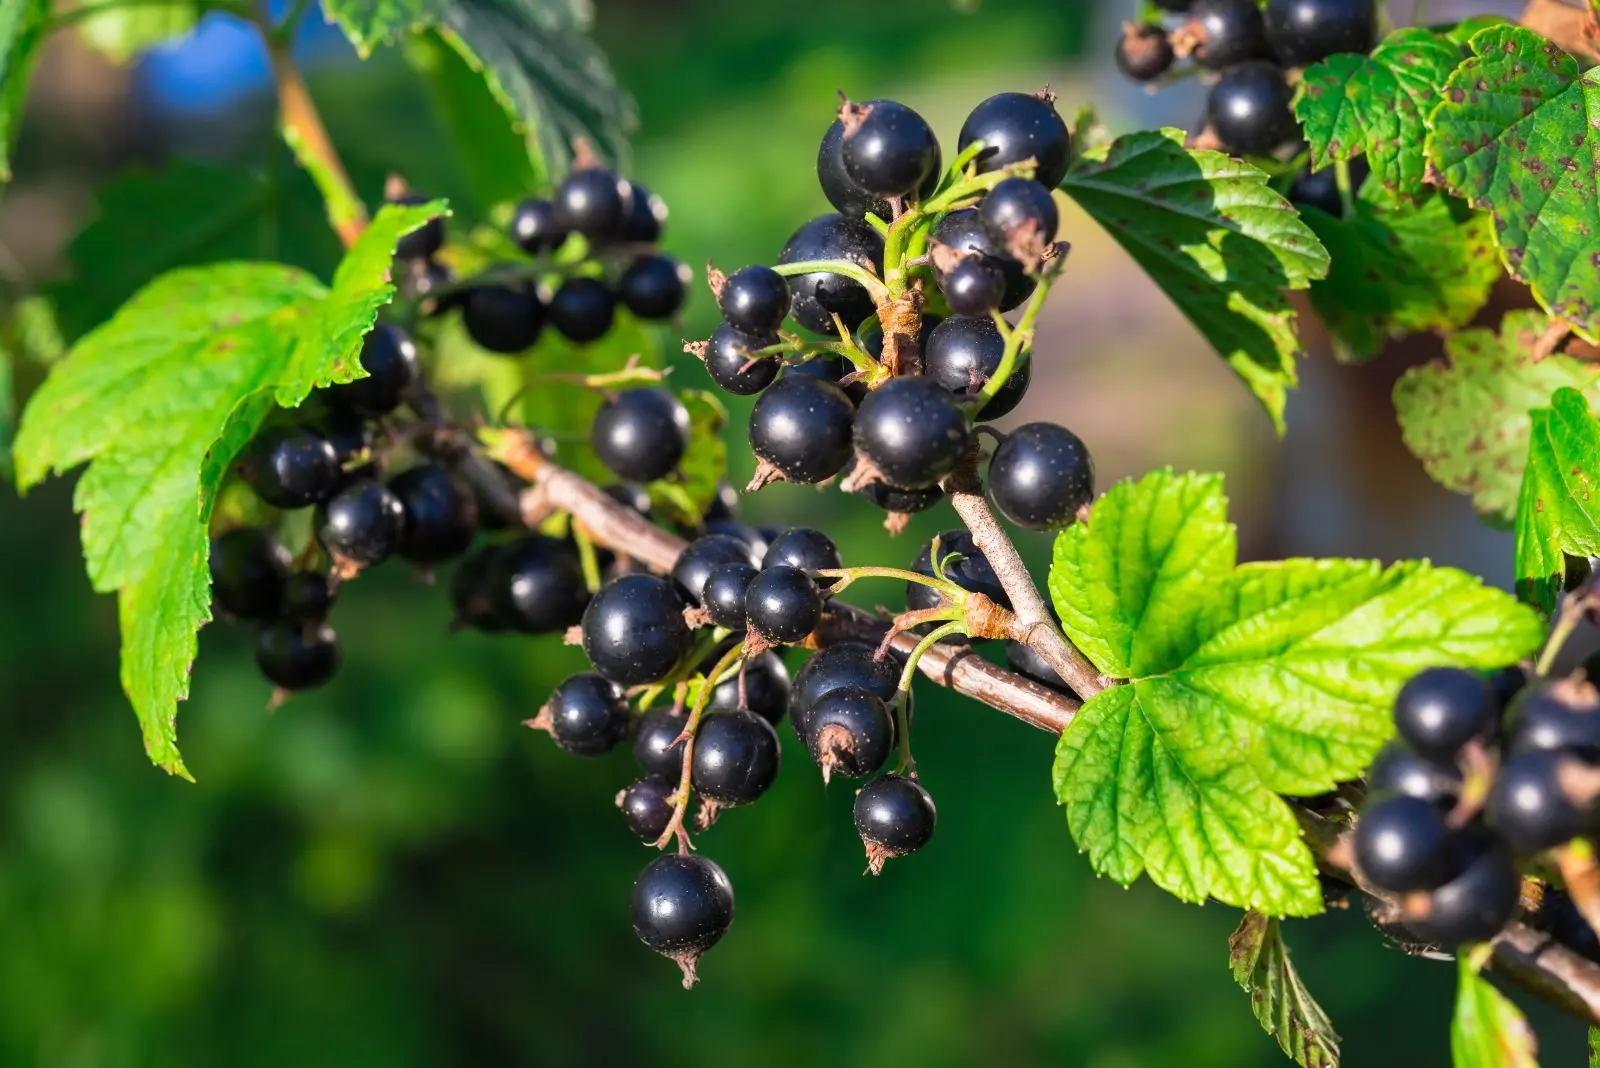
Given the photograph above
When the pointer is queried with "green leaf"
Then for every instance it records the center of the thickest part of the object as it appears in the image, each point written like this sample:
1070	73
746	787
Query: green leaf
1594	1032
123	30
1260	961
1488	1031
1408	269
158	402
1466	417
1246	682
1518	133
1377	105
1217	239
8	415
22	31
705	464
1555	516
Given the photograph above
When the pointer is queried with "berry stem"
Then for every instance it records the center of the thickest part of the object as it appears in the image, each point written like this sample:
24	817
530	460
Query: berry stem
1571	613
853	271
929	640
285	29
849	575
1017	337
586	557
1347	196
680	797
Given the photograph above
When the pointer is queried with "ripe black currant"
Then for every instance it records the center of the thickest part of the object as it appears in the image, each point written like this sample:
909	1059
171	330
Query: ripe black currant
647	215
822	294
1398	770
588	715
1144	53
1442	709
656	747
754	537
633	630
1561	715
293	657
1540	799
654	287
682	906
1249	108
249	570
1474	905
1303	32
1320	189
537	584
805	548
895	816
888	149
1040	476
630	495
783	604
362	523
291	467
966	231
801	425
594	202
390	358
736	757
1026	661
901	501
961	354
732	364
641	433
849	731
472	592
766	688
912	431
754	300
308	597
1021	207
441	514
1230	32
582	310
702	556
964	564
1015	126
536	226
724	592
646	806
974	285
423	242
351	437
1402	844
507	319
843	192
845	664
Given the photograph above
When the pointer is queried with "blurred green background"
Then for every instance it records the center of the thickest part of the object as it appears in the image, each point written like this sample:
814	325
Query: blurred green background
391	871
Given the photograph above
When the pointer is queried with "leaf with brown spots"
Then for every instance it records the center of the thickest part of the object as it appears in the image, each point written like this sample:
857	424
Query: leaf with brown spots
1518	133
1259	958
1558	510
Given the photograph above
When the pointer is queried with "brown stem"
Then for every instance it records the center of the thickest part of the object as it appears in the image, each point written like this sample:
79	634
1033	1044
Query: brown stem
308	137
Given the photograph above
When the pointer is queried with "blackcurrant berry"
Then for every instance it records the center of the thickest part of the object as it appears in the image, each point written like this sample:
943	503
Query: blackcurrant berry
472	592
656	746
849	731
682	906
1040	476
293	657
308	597
536	226
1303	32
963	563
1144	53
1398	770
736	757
895	816
844	192
820	295
1249	108
1506	684
654	287
647	215
423	242
974	285
888	149
702	556
1230	32
538	586
1402	844
1442	709
805	548
783	604
754	537
441	514
641	433
390	358
766	688
1021	208
1026	661
1320	189
630	495
588	715
594	202
1014	127
497	503
351	437
582	310
754	300
633	630
1540	799
362	524
912	431
801	426
724	593
966	231
646	806
1561	715
1474	905
503	318
724	503
901	501
830	369
249	570
844	664
964	351
291	467
732	364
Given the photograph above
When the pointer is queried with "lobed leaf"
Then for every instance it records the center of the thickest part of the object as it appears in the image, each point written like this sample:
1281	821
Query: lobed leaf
1259	959
1555	515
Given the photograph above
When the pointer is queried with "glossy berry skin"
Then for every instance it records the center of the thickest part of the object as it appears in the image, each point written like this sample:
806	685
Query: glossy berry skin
901	501
502	318
292	467
1020	205
588	715
724	593
363	523
1542	719
537	584
633	630
967	231
1398	770
736	757
805	548
249	571
582	310
888	149
1442	709
295	658
441	514
646	806
654	287
818	296
389	357
802	426
912	431
974	286
647	215
731	365
766	688
849	732
536	226
754	300
594	202
655	743
352	438
1144	54
1528	806
308	597
1026	662
845	664
894	816
682	906
963	352
1318	189
701	557
1232	31
1303	32
1402	844
1015	126
971	571
423	242
472	592
1477	903
1040	476
1249	109
641	433
843	192
783	604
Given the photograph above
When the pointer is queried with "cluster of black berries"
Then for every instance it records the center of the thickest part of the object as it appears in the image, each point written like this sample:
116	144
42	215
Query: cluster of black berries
1251	53
1484	777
